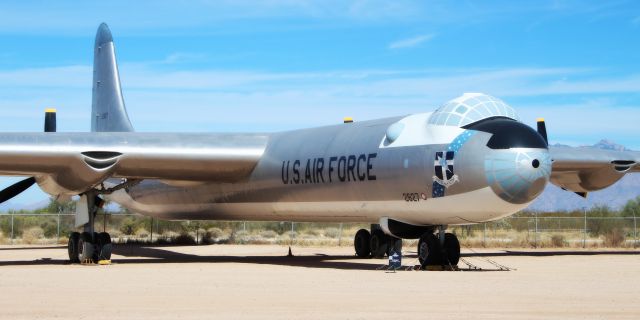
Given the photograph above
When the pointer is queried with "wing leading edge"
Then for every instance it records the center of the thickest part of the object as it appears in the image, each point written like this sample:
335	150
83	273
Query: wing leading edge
584	169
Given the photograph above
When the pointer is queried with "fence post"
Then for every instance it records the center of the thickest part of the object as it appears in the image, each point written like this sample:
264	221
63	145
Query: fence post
484	235
584	231
292	236
11	227
59	211
635	230
535	234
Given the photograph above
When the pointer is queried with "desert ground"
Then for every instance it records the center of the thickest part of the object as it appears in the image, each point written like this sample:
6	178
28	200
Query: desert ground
260	281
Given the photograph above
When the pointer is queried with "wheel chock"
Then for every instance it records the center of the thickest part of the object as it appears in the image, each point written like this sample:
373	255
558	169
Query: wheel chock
104	262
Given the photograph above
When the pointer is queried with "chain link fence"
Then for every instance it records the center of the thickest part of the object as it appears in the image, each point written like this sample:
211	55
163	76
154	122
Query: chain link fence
517	232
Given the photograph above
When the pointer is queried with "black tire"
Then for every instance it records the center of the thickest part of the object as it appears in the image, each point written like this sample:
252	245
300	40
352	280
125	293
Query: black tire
429	251
379	244
104	246
85	247
451	249
72	247
361	243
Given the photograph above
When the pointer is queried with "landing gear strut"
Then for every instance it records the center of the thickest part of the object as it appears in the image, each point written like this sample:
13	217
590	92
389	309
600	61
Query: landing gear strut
375	244
89	246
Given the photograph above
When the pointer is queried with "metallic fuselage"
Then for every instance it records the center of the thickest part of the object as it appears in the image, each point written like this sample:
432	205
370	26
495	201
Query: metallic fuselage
340	173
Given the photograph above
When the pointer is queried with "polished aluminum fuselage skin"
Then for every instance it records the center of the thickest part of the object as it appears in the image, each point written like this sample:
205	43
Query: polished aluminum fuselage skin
336	173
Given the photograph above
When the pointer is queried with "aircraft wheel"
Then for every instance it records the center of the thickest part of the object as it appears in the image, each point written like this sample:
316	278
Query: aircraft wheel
361	242
379	243
104	246
429	252
72	247
85	247
452	248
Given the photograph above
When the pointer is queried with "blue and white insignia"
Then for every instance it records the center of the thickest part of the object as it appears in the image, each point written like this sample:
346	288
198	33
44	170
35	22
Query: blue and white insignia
443	169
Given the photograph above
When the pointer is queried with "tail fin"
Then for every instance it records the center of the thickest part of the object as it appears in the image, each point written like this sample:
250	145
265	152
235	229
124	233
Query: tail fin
108	111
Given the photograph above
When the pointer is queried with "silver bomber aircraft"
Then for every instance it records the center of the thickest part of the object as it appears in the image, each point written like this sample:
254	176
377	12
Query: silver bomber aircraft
468	162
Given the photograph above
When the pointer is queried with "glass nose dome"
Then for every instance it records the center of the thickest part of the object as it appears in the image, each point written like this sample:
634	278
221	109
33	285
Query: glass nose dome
470	108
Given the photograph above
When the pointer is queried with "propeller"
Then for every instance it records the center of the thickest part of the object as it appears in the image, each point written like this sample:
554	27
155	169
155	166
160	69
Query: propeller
22	185
542	129
50	120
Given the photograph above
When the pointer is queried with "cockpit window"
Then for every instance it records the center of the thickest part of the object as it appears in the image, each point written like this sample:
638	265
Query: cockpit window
470	108
508	133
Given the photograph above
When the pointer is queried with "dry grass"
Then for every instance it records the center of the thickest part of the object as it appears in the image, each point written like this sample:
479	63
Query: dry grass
33	235
332	237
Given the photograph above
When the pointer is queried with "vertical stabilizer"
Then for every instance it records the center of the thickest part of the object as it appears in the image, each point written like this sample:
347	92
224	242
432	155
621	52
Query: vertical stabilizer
108	111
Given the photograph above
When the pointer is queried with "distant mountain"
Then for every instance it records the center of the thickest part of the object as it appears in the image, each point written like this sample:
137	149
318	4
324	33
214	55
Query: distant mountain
615	196
609	145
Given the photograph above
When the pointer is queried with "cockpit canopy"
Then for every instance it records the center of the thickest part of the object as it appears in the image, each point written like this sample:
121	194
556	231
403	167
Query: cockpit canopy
471	108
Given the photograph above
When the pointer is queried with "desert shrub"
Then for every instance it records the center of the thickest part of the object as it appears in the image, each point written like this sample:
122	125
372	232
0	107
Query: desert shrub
184	239
557	240
216	233
240	236
290	234
332	232
614	237
32	235
601	227
269	234
314	232
213	235
142	233
127	227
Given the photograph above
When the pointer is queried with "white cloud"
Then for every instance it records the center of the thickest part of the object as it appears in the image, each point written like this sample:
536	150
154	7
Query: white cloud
576	101
411	42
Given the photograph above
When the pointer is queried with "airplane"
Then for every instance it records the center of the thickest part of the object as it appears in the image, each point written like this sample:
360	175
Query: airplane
470	161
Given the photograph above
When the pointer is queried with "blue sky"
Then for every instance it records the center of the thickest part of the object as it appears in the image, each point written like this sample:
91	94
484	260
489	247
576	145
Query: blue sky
276	65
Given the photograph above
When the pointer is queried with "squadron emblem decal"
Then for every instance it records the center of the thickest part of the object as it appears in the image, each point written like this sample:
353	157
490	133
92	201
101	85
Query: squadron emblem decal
443	165
443	168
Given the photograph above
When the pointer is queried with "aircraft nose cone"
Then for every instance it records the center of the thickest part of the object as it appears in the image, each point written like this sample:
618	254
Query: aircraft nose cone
518	175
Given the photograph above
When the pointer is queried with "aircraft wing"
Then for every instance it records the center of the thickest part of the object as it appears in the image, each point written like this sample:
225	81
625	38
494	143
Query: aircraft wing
72	163
585	169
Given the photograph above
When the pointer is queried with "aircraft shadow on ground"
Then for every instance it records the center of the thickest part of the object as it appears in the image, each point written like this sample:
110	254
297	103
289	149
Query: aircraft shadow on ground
516	253
31	248
156	255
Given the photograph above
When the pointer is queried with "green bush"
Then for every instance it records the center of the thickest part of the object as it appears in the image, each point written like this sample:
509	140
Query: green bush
127	227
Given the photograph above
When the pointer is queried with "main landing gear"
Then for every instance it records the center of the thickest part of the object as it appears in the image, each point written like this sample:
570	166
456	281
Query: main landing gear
89	246
376	243
440	250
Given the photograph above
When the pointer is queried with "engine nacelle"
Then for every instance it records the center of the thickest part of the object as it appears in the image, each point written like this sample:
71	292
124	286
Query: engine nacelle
587	180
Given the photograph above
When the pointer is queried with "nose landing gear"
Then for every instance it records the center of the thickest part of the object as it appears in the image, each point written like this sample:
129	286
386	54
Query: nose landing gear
443	250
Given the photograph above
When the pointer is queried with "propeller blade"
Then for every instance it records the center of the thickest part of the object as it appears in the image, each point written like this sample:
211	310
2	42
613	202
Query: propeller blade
542	129
50	120
16	188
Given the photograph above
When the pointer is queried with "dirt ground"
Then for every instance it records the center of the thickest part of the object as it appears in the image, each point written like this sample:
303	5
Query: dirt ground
259	281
